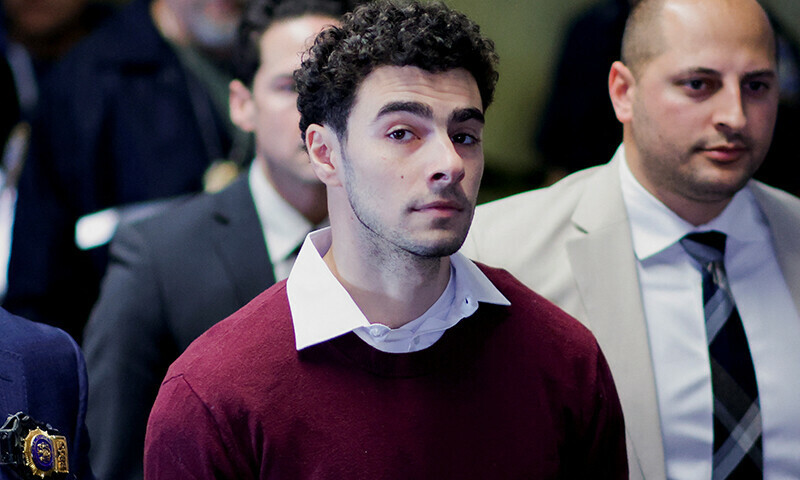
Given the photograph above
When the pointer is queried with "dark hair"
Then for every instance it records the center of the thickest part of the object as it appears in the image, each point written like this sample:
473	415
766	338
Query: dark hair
429	36
257	17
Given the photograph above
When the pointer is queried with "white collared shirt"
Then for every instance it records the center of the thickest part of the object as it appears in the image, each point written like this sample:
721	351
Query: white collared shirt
673	306
283	226
322	309
8	200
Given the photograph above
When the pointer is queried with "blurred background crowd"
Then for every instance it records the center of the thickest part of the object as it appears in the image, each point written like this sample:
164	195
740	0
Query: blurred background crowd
112	109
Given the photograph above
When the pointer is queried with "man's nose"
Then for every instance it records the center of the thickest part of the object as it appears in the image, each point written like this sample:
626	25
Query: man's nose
729	111
447	165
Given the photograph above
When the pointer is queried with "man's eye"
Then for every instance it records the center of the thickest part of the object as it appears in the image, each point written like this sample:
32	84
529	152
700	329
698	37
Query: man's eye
696	84
700	86
400	135
464	139
757	86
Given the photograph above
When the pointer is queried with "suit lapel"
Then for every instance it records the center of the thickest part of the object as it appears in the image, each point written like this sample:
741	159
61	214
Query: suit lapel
784	223
604	269
239	240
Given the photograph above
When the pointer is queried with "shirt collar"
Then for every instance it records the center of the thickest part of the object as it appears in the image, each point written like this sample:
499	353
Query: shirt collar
654	227
283	226
322	309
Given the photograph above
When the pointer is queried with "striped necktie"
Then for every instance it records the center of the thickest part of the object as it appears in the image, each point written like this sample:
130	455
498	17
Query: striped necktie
737	415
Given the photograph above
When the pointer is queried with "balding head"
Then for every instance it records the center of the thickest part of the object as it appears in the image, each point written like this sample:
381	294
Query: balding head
646	37
697	95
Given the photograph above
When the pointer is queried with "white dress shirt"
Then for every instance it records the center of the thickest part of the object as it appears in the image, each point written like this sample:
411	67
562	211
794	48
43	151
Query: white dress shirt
672	297
284	227
322	309
8	199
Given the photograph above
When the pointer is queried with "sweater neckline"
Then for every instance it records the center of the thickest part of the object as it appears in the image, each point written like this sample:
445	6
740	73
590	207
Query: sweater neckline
450	349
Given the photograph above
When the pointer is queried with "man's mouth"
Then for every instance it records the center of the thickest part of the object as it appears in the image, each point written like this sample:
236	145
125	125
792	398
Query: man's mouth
725	152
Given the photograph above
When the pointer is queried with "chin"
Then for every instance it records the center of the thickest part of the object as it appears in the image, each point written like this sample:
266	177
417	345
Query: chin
443	247
714	191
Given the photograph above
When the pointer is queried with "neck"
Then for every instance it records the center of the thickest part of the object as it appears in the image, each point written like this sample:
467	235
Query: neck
390	287
308	198
685	203
694	211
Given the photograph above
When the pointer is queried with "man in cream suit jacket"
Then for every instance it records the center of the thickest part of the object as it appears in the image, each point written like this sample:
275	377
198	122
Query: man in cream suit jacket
697	97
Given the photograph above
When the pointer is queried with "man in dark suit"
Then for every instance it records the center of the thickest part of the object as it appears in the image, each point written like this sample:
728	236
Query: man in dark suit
129	115
42	375
173	276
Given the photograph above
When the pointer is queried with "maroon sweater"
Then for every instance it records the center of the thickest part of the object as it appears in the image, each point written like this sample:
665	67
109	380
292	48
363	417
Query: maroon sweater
511	392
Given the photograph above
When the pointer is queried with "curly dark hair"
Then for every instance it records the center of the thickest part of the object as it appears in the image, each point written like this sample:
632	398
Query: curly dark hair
429	36
259	15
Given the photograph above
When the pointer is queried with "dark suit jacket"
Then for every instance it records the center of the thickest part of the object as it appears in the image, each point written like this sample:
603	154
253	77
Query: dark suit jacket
42	373
169	279
121	121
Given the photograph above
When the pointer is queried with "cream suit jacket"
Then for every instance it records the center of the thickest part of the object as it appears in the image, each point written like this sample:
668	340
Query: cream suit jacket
571	242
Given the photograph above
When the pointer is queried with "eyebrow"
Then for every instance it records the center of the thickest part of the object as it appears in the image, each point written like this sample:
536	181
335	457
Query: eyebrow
710	71
467	114
424	111
415	108
761	73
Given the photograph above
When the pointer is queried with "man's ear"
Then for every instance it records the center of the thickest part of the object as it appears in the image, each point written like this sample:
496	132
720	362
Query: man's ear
242	106
621	86
323	151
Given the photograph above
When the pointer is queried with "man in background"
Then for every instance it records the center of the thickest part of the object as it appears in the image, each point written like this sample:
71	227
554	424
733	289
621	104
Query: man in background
173	276
137	111
579	102
33	37
683	267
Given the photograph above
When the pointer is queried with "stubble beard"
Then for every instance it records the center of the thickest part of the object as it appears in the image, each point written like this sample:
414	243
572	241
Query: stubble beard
699	181
673	168
391	244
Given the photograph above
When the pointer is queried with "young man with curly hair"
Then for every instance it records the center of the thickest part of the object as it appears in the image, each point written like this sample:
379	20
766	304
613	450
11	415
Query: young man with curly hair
386	354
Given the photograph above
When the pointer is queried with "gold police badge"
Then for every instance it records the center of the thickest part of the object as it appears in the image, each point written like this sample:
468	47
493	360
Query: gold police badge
33	449
44	453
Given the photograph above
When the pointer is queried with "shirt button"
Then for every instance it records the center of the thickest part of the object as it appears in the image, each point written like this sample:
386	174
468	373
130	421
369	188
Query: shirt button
375	331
